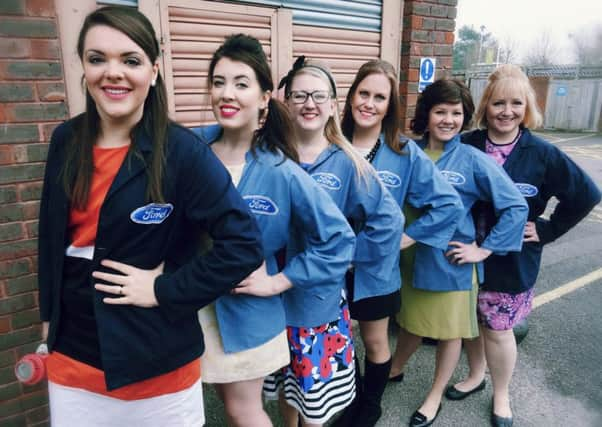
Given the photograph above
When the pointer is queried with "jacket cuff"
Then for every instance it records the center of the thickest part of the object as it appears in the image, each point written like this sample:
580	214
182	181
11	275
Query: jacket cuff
544	231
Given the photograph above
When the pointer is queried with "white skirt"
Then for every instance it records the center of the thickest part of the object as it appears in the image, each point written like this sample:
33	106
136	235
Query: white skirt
218	367
75	407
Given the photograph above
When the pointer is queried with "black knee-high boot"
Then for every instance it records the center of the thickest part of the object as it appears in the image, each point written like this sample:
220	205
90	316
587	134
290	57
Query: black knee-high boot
369	411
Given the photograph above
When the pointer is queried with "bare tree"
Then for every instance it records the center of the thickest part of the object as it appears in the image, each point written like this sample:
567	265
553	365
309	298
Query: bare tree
542	50
508	50
588	45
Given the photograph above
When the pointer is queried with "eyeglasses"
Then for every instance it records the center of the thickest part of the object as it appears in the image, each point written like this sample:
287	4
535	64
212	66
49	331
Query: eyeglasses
300	96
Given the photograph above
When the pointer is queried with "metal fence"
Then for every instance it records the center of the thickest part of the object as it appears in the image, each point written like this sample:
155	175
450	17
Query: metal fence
570	96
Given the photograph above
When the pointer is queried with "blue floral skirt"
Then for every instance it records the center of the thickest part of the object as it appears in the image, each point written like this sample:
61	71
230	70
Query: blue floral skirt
320	380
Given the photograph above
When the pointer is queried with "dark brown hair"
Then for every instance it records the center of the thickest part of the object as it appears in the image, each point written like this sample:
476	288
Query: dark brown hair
277	132
392	121
442	91
79	167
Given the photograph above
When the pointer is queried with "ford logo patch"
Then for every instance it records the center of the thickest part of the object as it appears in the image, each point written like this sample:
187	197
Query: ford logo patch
454	178
327	180
154	213
389	179
261	205
527	190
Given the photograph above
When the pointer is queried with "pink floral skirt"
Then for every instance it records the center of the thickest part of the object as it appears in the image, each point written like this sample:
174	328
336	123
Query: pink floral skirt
500	311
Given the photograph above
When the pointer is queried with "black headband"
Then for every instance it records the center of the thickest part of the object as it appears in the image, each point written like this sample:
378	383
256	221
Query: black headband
300	64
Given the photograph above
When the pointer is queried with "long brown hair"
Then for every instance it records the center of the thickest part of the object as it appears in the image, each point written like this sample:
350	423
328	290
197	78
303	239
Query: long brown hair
391	125
276	132
79	167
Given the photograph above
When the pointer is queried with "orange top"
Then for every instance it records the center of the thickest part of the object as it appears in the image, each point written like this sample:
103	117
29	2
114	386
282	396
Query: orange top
83	224
69	372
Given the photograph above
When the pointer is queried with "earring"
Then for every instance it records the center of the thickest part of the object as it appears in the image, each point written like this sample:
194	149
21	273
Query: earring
264	116
153	82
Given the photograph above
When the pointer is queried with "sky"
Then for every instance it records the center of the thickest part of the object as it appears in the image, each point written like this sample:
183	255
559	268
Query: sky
525	20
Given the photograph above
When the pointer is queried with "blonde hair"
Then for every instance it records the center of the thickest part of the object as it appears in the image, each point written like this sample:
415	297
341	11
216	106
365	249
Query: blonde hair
509	79
332	130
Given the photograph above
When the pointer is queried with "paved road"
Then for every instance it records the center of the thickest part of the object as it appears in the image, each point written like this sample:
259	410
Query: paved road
558	377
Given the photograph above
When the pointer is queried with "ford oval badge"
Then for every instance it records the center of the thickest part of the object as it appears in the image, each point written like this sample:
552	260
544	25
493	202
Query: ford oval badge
526	190
389	179
454	178
261	205
327	180
153	213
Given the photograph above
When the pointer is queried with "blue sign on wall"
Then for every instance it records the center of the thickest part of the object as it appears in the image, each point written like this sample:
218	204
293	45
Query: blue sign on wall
427	73
561	91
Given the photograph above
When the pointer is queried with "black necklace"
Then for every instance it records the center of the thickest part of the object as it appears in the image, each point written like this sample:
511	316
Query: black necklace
370	156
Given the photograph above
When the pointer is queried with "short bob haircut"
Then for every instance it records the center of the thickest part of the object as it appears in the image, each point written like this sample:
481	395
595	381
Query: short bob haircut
509	81
442	91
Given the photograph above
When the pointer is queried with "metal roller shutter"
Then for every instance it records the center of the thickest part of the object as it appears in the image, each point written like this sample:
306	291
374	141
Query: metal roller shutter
362	15
344	51
196	29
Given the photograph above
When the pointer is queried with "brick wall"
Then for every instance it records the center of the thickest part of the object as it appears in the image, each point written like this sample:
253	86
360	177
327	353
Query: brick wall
32	102
428	30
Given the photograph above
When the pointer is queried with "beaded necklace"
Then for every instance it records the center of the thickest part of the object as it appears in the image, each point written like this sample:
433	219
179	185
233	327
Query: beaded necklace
372	154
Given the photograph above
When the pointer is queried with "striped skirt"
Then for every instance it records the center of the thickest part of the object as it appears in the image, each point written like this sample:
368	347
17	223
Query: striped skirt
320	380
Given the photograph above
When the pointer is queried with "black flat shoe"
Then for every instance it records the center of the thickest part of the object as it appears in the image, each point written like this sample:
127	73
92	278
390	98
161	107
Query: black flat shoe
396	378
497	421
452	393
419	419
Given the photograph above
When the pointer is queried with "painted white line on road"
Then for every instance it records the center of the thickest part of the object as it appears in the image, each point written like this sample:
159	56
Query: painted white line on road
567	288
575	138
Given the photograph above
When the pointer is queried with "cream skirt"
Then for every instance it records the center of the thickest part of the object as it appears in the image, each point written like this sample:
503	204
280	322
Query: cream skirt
219	367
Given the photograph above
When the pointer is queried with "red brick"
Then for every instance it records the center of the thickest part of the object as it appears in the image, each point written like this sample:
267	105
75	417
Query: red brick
7	155
38	415
413	74
22	172
7	358
16	303
25	319
47	129
5	325
12	133
415	22
51	91
435	37
31	210
32	229
8	194
18	249
15	48
45	49
29	191
11	231
449	38
11	212
23	284
15	268
34	112
30	401
40	8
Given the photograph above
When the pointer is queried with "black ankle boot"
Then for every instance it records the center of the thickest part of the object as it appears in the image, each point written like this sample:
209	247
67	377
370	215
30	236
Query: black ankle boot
369	411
